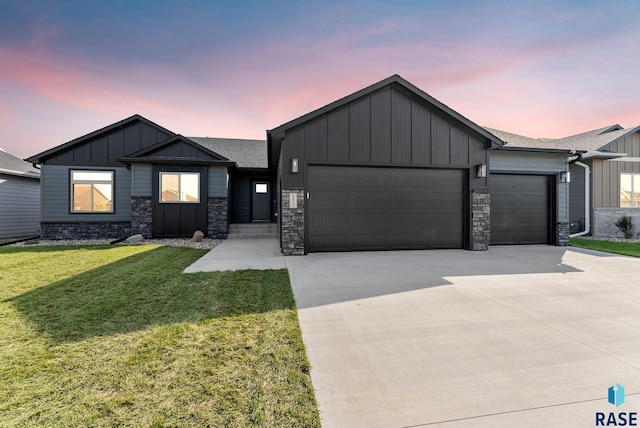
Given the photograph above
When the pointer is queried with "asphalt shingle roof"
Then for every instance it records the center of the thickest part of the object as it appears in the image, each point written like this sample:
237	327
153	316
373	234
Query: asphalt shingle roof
12	164
245	153
515	140
593	142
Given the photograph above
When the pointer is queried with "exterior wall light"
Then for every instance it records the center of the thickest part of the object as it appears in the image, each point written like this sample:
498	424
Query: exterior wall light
565	177
482	171
294	166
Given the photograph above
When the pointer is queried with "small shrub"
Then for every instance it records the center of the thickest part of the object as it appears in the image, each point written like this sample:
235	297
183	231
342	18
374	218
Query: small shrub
626	226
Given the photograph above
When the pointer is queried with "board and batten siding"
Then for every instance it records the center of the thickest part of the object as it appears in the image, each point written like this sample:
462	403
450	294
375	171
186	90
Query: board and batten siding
56	197
142	177
19	206
106	149
535	163
606	180
387	128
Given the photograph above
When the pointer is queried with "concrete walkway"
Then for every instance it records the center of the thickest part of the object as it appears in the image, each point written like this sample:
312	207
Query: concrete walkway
240	254
519	336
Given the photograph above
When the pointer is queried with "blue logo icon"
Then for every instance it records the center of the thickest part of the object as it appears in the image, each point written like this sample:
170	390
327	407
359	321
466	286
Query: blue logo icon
616	395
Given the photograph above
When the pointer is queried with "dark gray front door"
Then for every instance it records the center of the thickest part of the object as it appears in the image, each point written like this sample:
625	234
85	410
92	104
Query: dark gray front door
261	201
356	208
520	209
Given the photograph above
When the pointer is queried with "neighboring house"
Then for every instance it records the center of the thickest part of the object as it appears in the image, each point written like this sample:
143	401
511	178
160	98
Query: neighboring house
604	176
19	197
606	180
388	167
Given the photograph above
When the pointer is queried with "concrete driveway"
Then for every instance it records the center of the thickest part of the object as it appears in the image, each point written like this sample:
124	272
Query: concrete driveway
522	336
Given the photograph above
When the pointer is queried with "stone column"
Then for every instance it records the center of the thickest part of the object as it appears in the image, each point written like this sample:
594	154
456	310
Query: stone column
141	216
217	225
481	220
292	221
563	230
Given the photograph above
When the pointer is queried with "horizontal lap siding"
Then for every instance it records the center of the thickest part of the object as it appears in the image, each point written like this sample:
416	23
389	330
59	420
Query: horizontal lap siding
577	195
141	179
141	184
19	206
56	195
218	182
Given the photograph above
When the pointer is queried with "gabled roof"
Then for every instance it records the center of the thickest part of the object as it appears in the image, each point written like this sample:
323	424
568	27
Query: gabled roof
275	135
151	153
397	80
136	117
594	143
12	165
245	153
516	140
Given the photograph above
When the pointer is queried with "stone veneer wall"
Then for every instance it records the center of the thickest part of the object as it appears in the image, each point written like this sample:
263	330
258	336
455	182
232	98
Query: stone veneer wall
96	230
141	216
217	224
563	230
292	223
604	221
481	216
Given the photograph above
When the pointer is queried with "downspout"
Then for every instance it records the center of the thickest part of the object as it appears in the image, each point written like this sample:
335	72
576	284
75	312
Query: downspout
587	192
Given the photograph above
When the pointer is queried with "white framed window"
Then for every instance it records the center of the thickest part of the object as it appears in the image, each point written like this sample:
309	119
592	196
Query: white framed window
180	187
630	190
262	188
91	191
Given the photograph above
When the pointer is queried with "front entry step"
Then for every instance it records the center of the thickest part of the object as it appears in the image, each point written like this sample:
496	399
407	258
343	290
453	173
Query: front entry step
252	230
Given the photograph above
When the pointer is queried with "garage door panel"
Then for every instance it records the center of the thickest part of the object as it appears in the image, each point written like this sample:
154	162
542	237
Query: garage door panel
332	222
372	179
369	221
384	208
371	199
320	176
520	209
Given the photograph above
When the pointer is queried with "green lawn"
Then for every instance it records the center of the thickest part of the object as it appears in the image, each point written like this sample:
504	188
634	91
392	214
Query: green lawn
118	336
625	248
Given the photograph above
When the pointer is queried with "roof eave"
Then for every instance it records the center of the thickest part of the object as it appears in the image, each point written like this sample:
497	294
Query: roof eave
25	174
604	155
175	161
37	159
279	132
540	150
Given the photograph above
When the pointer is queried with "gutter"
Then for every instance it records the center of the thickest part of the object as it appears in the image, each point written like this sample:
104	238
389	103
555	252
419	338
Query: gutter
587	192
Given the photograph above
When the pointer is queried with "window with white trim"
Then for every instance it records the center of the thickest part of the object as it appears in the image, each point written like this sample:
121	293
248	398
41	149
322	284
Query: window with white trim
179	187
92	191
630	190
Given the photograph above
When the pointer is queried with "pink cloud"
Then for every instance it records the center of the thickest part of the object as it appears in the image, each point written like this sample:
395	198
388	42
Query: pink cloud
45	75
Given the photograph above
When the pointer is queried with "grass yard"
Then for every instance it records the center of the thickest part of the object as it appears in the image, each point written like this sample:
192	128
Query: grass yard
117	336
624	248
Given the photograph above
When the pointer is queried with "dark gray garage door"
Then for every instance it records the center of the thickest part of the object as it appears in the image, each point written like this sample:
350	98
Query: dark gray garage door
353	208
520	209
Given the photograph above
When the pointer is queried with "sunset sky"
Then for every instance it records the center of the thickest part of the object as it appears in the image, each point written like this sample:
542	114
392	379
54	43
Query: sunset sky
234	69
